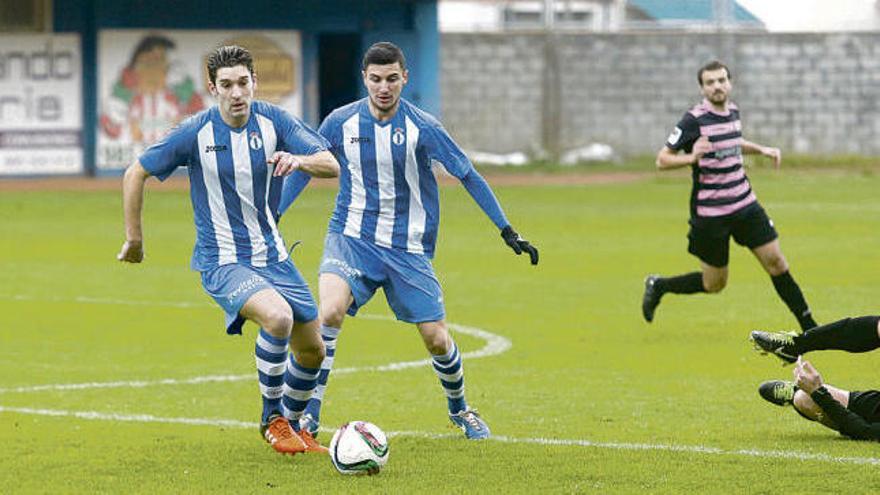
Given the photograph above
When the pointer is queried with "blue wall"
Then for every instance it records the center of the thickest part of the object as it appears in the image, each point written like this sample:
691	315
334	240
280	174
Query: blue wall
412	24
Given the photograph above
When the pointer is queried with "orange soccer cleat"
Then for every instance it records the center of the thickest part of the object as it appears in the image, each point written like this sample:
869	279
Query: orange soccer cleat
281	437
311	443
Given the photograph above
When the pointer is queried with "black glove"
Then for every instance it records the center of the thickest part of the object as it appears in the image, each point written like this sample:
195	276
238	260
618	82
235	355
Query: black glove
518	244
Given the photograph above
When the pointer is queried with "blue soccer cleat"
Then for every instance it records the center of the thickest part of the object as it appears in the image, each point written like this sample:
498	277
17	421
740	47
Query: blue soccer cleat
471	424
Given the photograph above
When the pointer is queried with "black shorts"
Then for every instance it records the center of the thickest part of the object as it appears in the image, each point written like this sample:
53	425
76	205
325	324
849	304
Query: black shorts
709	237
866	404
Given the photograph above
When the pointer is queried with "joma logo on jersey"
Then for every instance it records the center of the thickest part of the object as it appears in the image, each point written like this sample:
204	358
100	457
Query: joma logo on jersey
398	137
358	139
214	149
255	142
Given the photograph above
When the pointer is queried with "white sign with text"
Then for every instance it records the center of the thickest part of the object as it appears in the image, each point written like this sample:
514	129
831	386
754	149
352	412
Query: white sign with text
41	119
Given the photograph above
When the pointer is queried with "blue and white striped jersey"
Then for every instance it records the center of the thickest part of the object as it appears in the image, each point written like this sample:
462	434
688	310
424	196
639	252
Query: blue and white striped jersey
231	186
387	192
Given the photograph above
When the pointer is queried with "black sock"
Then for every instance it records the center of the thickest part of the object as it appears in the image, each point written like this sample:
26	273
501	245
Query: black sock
689	283
849	334
791	294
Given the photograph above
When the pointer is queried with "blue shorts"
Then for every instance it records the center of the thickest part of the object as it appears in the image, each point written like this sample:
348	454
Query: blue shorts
408	279
232	285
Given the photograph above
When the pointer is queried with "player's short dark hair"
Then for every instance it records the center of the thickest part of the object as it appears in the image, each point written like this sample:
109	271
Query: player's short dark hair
383	53
713	65
228	56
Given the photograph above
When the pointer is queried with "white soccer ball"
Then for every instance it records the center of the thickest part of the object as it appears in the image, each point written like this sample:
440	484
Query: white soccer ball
359	447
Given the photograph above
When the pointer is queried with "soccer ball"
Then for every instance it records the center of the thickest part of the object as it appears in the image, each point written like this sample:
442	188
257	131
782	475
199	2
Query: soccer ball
359	447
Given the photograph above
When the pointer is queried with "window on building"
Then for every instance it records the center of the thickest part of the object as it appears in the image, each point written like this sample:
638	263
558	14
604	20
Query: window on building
571	18
517	17
567	14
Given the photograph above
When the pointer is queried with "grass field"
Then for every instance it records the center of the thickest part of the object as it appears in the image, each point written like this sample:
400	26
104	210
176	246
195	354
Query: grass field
587	398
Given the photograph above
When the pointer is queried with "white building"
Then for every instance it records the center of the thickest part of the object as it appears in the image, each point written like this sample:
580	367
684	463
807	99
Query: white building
594	15
816	15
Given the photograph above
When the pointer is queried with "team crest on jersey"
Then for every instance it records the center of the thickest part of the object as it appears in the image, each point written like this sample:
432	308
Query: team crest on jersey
255	142
398	137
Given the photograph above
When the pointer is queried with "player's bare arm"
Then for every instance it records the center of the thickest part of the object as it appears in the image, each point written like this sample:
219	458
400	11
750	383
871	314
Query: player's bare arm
132	202
750	148
668	158
320	164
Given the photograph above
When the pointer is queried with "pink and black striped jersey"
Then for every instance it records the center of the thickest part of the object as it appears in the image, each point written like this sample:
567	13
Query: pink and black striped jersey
720	185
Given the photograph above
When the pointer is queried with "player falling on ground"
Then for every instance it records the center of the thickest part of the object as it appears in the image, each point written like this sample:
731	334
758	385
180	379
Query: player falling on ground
237	154
860	334
853	414
722	201
383	230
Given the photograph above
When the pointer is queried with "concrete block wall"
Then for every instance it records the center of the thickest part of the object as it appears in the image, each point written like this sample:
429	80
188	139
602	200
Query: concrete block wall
491	91
806	93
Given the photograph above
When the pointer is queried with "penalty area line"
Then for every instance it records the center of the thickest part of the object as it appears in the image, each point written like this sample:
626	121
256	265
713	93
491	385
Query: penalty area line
494	344
583	443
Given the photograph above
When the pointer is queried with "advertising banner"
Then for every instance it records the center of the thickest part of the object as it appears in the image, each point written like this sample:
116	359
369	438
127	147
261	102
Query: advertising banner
41	117
151	80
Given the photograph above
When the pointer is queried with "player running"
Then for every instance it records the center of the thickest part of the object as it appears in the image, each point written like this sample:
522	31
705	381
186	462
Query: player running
722	201
384	228
237	153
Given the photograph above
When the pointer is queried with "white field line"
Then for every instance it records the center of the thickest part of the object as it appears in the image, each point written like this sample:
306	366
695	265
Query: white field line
495	344
583	443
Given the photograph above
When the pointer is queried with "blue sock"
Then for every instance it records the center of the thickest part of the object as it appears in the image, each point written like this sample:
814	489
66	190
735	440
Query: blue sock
449	370
329	335
299	382
271	356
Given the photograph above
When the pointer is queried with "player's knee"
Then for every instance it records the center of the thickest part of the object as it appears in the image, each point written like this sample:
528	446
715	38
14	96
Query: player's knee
278	322
438	343
332	315
776	265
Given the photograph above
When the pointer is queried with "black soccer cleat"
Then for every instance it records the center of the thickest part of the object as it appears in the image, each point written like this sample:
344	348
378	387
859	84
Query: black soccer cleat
778	392
780	344
651	299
